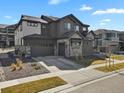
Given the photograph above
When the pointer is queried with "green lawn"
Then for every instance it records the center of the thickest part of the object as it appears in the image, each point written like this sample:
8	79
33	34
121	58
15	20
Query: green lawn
118	57
35	86
112	68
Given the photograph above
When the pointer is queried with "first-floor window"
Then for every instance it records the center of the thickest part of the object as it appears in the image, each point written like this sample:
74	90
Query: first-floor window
21	41
100	43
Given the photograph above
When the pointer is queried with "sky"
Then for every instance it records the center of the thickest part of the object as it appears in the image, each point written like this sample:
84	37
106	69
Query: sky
99	14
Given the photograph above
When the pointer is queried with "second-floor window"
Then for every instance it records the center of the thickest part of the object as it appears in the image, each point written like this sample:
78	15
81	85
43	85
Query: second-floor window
84	28
44	26
67	26
76	28
33	24
21	27
100	36
109	36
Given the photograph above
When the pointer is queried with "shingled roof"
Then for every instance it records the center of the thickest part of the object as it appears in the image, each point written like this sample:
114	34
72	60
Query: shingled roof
36	36
69	34
32	18
71	16
52	18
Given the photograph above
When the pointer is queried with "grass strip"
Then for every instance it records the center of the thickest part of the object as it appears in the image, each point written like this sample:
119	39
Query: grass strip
35	86
111	68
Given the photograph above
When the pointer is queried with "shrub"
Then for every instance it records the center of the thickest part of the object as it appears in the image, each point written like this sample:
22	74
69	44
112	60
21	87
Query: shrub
13	66
19	63
33	65
37	67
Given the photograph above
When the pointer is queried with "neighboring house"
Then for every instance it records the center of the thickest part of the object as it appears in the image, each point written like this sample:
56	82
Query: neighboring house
107	40
121	38
47	35
93	37
6	35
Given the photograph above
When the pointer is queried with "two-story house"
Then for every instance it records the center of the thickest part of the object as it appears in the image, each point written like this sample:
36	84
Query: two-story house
92	36
47	35
7	35
121	38
108	40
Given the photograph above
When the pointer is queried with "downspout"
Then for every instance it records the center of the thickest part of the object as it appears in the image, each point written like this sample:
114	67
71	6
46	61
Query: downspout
69	48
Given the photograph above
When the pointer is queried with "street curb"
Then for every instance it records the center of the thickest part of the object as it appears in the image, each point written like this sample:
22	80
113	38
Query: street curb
90	80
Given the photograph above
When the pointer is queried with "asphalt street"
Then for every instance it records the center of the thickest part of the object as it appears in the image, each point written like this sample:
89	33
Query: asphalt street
110	85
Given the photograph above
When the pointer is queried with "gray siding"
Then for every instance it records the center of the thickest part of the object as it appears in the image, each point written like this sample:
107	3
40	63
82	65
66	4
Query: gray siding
52	29
87	47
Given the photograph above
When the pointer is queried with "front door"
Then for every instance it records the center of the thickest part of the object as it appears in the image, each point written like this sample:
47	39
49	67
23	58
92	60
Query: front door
61	50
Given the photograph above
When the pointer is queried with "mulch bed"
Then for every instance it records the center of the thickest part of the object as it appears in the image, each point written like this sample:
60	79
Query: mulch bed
27	70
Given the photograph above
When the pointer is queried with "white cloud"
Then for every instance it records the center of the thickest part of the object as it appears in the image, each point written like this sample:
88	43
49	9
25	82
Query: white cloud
102	23
15	20
105	20
109	11
55	2
85	7
8	17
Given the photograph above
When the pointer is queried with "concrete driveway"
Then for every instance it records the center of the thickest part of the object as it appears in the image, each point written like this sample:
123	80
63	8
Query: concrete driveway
59	62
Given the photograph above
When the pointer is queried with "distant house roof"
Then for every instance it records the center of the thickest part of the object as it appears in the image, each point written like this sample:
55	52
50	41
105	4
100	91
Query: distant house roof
92	32
121	32
7	28
100	31
11	26
3	25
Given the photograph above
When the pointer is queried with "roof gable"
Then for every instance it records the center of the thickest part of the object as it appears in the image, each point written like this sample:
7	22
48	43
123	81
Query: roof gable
70	16
73	18
49	18
71	33
32	18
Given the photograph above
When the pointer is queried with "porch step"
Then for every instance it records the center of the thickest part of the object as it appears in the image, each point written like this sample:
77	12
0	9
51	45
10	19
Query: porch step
54	69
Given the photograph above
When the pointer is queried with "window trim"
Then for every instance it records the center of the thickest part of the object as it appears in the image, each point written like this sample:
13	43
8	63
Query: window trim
32	24
84	28
67	25
77	28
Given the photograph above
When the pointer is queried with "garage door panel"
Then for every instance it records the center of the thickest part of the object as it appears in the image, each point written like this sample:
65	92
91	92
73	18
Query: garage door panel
42	51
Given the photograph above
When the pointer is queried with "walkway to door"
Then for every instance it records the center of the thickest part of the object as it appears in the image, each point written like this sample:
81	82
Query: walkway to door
59	62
